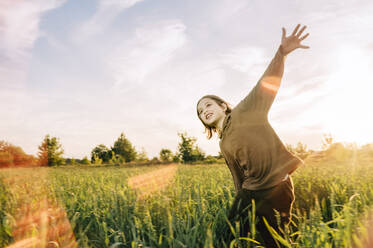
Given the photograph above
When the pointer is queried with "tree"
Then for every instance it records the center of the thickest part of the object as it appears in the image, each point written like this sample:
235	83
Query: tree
188	150
367	150
50	152
210	159
96	160
11	155
154	160
166	155
301	150
101	152
123	147
70	161
85	160
142	156
327	141
116	159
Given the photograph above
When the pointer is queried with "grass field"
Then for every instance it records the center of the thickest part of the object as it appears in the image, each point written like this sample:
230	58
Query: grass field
113	207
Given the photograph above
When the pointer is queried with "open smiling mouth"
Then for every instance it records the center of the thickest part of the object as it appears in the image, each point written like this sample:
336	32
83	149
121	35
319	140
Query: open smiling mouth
208	116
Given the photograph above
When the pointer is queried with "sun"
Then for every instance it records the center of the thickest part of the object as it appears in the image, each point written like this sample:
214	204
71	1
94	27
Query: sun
349	104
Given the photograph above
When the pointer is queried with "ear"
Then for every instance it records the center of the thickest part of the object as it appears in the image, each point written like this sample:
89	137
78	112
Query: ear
224	107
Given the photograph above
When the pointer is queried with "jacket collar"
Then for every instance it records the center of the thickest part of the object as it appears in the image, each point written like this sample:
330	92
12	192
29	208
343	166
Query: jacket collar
226	123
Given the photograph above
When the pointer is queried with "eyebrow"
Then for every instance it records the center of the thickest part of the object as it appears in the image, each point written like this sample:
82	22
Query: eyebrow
207	102
200	108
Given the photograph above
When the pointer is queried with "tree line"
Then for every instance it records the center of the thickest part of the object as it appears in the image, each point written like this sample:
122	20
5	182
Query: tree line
123	151
50	153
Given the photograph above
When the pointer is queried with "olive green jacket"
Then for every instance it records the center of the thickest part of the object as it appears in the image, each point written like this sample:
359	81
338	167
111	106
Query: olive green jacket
253	152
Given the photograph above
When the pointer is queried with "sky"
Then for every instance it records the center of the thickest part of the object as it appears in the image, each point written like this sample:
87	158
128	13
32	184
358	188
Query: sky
87	70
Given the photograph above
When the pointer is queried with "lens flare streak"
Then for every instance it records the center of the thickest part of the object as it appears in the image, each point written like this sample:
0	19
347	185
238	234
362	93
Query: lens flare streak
39	220
152	182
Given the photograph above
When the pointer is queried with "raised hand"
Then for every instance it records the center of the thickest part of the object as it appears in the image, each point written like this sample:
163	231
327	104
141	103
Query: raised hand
293	41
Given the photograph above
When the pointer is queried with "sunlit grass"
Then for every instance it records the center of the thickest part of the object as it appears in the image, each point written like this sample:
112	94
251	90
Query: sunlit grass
332	206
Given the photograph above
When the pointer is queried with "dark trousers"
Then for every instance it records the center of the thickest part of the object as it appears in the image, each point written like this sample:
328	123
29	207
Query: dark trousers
279	198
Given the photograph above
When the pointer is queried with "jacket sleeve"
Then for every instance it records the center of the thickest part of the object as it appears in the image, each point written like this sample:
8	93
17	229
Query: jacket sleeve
261	97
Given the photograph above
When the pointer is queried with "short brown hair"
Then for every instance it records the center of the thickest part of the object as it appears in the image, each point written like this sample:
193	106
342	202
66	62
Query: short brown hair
211	130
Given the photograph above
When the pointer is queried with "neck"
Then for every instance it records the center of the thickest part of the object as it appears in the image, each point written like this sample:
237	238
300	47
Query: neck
219	125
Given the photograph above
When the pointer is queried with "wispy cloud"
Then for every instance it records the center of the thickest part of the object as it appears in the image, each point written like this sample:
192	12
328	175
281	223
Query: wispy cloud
245	59
148	50
107	11
19	29
224	10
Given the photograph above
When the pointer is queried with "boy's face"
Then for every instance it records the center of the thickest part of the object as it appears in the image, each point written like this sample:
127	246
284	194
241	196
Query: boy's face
210	112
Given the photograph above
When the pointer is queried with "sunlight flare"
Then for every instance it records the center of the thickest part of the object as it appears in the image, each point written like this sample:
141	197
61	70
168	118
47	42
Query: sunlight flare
271	84
39	221
154	181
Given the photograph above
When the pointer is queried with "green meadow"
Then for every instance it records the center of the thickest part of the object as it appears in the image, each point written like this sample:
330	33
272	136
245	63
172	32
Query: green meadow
334	198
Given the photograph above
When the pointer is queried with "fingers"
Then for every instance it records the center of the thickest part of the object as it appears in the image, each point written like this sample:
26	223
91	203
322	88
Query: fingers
304	36
296	29
304	47
301	31
283	33
294	40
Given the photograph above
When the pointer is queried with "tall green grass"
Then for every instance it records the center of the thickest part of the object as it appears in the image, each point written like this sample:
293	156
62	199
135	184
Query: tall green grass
333	200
